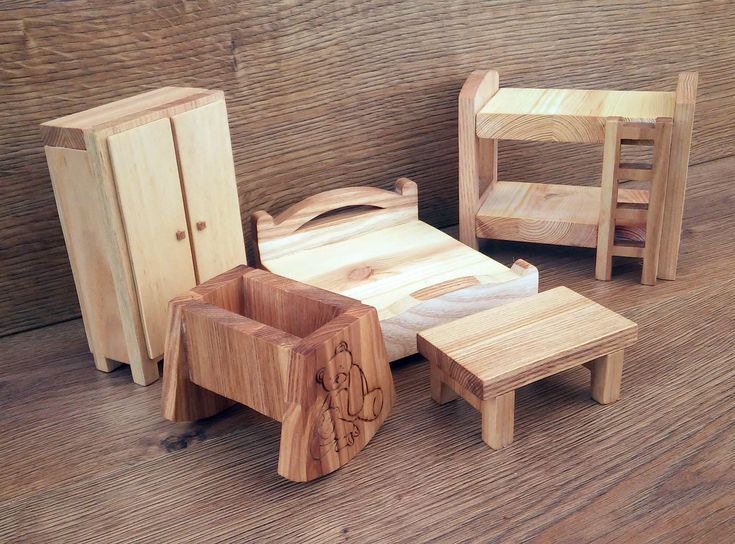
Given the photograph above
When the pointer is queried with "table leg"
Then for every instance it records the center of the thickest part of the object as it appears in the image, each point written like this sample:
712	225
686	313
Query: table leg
440	391
607	375
497	420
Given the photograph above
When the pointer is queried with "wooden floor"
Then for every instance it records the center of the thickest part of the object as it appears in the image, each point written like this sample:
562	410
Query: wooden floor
86	455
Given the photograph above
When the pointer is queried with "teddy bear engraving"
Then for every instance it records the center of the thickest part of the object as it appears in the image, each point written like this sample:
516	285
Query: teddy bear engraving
349	401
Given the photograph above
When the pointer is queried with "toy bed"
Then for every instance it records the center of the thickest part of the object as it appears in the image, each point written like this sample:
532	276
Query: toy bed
368	244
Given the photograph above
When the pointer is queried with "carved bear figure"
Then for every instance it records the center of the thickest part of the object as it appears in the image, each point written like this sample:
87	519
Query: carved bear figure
349	401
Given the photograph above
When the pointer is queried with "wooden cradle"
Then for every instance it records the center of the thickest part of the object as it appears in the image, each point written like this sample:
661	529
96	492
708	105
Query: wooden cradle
368	244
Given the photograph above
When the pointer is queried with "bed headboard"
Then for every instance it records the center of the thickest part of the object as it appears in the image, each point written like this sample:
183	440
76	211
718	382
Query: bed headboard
332	216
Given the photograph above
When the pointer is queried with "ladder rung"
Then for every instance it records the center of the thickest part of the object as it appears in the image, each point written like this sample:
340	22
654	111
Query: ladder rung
633	216
635	172
626	141
637	131
631	250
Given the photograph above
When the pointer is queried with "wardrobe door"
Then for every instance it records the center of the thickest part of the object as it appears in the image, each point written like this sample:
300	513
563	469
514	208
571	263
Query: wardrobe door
204	150
152	207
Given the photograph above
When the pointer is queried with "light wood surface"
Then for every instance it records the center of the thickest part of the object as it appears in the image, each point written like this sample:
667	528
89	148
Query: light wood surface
87	456
609	195
551	213
152	206
235	337
204	153
485	357
619	133
580	116
414	275
81	213
154	212
497	415
478	159
124	114
393	111
566	115
607	372
681	142
501	349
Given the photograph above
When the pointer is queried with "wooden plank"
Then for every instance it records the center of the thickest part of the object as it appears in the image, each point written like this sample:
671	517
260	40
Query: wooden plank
566	115
548	213
124	114
396	108
656	202
609	190
151	204
204	151
238	358
74	188
478	159
681	142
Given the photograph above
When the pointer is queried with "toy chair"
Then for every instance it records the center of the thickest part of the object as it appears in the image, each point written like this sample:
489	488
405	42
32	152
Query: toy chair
368	244
311	359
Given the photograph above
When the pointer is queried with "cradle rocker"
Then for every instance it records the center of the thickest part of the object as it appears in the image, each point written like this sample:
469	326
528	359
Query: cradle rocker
368	244
311	359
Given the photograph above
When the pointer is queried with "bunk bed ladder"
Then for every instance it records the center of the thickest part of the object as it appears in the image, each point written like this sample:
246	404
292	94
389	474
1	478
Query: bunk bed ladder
617	134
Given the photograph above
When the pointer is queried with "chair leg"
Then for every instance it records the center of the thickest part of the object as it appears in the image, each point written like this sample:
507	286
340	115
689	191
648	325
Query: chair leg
104	364
497	420
607	376
440	391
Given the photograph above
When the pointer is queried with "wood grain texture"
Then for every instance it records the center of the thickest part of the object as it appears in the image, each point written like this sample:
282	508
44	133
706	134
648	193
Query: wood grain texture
566	115
415	275
501	349
152	207
207	172
331	387
86	455
324	95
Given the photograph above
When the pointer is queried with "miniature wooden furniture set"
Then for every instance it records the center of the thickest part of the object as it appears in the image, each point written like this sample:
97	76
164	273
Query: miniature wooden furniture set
146	193
377	251
311	359
645	224
487	356
145	189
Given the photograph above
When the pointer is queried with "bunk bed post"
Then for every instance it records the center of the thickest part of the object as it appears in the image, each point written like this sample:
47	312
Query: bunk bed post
478	158
681	139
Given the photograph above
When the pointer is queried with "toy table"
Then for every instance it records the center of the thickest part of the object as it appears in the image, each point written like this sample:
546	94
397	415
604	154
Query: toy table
563	214
485	357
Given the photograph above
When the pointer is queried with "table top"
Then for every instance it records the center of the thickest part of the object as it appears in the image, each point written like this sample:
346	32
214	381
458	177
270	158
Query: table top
503	348
570	115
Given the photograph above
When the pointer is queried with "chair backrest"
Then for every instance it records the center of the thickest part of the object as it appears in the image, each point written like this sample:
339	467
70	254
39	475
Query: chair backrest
332	216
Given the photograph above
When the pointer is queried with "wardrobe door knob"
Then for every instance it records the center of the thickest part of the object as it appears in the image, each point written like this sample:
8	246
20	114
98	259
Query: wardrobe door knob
180	234
201	225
